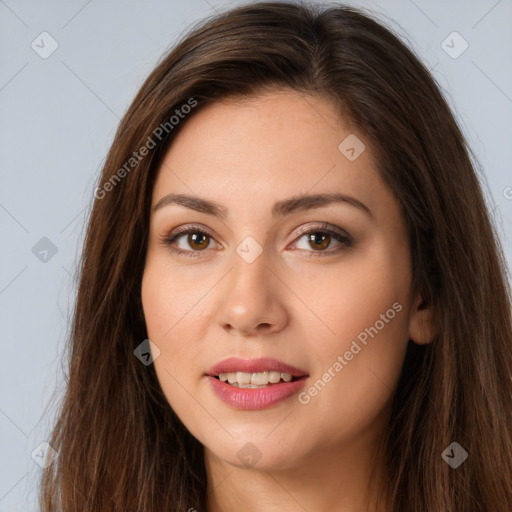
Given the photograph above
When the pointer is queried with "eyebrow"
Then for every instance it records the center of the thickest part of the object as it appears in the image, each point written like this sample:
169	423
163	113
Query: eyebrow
280	209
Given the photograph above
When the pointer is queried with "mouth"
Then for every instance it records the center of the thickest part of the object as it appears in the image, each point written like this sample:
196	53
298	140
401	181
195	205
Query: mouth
255	383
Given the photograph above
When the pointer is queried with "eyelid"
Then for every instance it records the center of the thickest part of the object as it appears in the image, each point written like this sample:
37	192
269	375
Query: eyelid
322	227
189	227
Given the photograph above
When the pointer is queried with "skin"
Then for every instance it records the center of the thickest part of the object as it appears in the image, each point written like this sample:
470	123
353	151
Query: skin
305	311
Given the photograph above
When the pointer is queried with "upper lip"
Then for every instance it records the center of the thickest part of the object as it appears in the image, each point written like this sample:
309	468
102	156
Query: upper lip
261	364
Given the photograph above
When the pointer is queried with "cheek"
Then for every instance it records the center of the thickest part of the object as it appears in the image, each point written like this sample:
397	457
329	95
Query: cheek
173	327
347	299
172	298
357	365
162	315
165	297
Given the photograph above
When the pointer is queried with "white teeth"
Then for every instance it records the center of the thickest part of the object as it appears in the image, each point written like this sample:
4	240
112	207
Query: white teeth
254	380
243	378
258	378
274	377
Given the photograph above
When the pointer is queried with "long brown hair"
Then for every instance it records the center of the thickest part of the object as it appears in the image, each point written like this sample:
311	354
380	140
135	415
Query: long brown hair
120	445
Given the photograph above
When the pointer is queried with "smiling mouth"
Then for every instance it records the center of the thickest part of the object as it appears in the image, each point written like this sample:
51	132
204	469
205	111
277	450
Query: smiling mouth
256	379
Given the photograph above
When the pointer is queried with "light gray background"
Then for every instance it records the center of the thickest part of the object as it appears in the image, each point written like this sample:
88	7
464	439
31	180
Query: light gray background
57	119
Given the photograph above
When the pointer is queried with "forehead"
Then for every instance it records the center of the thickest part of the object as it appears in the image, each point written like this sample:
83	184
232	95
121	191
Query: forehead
253	152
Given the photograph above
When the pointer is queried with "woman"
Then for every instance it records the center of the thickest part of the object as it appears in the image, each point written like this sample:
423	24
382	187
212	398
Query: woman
291	292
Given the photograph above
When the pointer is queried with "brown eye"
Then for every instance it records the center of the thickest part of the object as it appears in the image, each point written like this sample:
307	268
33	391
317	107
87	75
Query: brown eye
319	241
320	238
198	240
195	243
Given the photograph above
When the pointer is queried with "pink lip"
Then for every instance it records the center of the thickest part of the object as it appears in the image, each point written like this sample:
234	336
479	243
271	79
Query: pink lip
261	364
255	398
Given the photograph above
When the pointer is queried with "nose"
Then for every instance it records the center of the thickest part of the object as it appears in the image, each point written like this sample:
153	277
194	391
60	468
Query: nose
252	299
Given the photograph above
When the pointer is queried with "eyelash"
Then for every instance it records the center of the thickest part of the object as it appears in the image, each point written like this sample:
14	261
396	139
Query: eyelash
169	240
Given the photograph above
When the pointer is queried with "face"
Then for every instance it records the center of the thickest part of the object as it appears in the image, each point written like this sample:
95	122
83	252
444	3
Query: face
321	286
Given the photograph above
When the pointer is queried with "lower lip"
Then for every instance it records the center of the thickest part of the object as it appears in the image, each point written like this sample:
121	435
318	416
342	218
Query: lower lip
255	398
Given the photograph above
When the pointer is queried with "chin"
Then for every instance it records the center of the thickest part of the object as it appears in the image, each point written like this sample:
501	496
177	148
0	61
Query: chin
256	453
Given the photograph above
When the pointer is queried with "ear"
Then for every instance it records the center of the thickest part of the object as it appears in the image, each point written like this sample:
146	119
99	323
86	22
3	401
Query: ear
421	322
